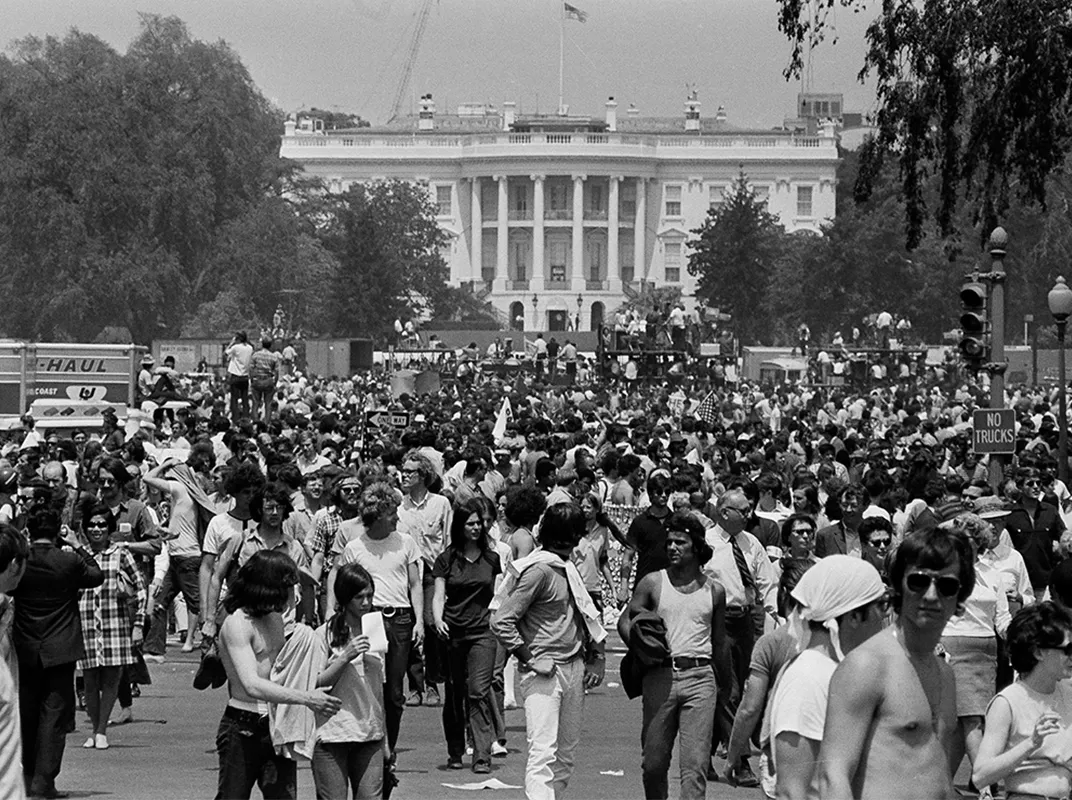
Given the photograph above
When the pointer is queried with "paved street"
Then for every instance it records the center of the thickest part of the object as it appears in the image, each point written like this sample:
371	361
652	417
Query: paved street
168	752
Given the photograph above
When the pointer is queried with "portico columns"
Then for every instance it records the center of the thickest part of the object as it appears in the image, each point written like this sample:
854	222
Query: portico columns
614	269
501	264
578	233
476	256
537	233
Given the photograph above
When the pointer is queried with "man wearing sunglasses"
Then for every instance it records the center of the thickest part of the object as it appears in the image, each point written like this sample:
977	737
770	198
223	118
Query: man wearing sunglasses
1035	527
892	714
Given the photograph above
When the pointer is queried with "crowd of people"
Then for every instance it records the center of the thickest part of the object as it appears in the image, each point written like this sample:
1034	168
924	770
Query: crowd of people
822	587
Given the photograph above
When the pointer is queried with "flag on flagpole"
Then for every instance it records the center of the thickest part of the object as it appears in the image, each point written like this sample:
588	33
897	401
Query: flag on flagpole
572	12
707	410
506	416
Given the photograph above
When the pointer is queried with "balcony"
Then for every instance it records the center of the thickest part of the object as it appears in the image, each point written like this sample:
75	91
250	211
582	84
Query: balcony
558	213
517	286
552	283
595	285
517	214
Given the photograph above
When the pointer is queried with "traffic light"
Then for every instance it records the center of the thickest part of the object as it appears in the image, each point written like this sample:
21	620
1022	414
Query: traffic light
974	347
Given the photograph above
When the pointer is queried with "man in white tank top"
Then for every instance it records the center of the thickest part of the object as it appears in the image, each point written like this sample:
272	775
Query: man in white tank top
681	694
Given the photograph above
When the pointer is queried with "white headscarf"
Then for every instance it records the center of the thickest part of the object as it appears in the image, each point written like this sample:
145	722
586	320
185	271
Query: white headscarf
834	586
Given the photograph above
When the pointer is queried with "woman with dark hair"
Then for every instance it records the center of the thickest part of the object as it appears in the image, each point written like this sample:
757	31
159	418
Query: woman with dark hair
349	747
806	500
524	505
113	620
1024	739
464	576
591	556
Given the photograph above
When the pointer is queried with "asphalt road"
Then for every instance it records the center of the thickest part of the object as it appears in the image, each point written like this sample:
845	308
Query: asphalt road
168	752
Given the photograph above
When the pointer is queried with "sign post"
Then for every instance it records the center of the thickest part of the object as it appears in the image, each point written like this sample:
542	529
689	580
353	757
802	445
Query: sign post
994	431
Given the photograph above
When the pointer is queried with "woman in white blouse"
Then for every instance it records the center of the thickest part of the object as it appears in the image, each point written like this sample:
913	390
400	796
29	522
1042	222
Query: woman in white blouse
970	640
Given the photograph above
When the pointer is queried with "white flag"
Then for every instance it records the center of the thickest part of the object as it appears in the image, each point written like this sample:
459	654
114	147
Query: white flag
506	416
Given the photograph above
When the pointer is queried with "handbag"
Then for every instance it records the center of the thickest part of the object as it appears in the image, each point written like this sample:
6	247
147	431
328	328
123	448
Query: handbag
125	588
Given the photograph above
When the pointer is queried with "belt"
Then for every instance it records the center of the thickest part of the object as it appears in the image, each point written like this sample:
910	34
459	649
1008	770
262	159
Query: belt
245	717
680	663
738	611
390	611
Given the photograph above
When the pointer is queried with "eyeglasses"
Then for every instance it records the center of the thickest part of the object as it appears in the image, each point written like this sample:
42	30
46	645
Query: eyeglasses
802	531
1064	648
744	512
920	582
349	489
96	526
879	542
1032	482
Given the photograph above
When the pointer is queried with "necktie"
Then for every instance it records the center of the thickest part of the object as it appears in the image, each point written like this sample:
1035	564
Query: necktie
742	565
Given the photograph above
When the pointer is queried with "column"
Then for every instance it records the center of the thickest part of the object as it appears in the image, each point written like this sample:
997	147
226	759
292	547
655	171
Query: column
476	255
501	264
614	269
537	233
578	233
640	260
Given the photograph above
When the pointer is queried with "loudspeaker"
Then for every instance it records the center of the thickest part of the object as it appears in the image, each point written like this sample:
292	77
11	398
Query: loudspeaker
360	355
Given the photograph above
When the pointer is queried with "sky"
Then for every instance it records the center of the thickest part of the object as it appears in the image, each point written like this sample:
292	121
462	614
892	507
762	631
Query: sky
349	54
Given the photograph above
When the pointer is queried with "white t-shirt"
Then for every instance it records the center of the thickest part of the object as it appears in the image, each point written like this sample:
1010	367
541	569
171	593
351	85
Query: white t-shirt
799	701
221	529
239	355
387	561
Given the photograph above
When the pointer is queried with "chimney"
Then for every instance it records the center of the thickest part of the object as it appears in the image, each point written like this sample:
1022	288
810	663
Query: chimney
720	115
692	113
632	112
509	114
290	126
426	115
612	114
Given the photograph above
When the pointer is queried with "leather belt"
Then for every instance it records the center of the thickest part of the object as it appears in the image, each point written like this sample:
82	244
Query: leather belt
679	663
390	611
244	716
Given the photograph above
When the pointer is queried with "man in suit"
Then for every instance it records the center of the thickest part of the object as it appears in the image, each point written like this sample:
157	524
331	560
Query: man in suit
842	537
47	634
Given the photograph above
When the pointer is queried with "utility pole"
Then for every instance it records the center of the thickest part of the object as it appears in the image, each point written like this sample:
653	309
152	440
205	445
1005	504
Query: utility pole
998	241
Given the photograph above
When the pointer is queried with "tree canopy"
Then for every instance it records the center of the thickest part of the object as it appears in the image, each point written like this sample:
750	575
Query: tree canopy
975	92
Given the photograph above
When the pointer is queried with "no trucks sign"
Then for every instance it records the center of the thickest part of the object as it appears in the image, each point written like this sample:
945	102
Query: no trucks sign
994	431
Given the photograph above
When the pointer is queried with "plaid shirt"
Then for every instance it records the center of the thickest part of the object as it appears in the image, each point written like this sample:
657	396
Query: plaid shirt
108	620
326	524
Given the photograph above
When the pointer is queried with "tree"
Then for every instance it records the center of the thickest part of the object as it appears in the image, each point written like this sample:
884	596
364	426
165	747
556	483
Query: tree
734	256
977	92
336	120
117	172
387	243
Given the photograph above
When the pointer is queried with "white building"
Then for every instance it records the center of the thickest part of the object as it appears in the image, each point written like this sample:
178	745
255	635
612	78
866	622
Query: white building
551	217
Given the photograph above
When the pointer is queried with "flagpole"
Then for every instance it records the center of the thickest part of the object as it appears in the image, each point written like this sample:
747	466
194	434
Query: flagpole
561	52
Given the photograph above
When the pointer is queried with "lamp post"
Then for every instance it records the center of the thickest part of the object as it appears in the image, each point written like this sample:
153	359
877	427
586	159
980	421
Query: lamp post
1060	302
535	312
580	302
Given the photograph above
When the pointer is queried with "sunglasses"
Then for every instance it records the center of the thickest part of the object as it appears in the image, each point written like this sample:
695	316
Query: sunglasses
1064	648
880	542
920	582
1032	482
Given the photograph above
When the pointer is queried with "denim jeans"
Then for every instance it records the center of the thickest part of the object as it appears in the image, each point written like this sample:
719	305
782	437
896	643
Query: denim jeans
182	576
399	630
682	704
338	765
554	707
468	698
247	758
238	389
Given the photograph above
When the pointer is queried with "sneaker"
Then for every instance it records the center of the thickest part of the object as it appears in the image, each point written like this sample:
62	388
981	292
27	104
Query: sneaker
101	742
153	658
499	749
469	750
455	763
124	717
415	699
431	695
89	743
481	767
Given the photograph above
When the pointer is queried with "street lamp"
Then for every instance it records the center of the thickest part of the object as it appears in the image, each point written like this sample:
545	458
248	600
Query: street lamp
535	312
1060	302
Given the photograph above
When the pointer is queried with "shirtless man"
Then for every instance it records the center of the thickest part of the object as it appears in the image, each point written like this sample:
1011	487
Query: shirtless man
250	639
892	708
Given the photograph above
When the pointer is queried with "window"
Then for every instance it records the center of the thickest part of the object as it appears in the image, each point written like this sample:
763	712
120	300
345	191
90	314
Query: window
762	195
716	196
595	198
627	201
556	197
804	201
489	244
520	200
672	262
673	201
489	200
625	258
443	200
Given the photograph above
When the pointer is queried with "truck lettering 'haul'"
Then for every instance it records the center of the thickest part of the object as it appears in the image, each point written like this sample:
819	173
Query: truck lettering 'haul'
95	373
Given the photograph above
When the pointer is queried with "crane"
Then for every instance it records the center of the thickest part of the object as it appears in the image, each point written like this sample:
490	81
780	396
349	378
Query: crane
411	58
